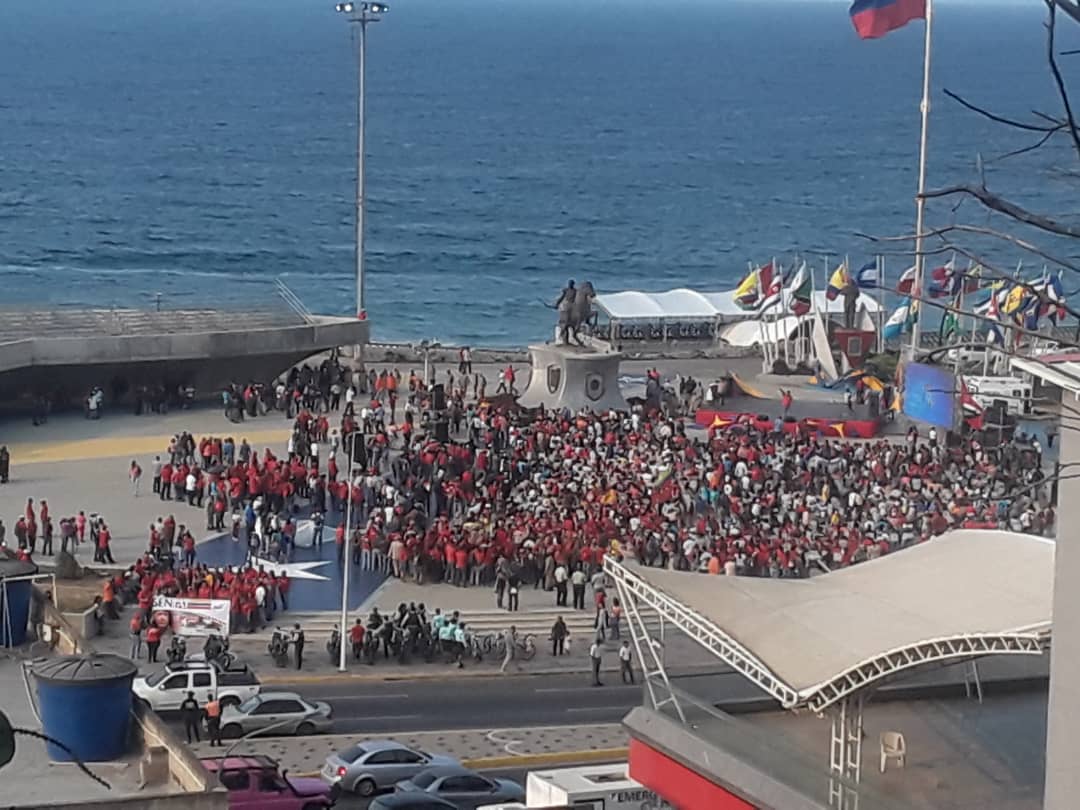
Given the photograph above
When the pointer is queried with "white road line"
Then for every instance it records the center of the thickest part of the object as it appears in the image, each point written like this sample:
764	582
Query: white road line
597	708
392	717
577	689
346	698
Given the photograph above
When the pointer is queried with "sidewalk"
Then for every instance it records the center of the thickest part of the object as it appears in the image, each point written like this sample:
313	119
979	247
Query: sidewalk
480	749
685	655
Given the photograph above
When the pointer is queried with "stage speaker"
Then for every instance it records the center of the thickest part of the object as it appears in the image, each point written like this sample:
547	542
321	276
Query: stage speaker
997	413
438	397
442	431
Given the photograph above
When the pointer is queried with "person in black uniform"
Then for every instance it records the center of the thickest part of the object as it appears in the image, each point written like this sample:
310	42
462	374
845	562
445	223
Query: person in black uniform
190	712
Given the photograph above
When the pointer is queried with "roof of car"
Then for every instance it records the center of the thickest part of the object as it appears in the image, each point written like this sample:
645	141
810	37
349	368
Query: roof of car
410	798
440	771
264	696
376	745
237	763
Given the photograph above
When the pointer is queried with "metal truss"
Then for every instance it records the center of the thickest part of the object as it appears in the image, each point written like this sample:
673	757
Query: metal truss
653	671
845	753
633	589
866	675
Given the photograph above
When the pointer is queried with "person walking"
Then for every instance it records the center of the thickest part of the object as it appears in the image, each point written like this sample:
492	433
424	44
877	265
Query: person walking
559	633
595	653
561	575
213	720
189	711
153	641
134	476
510	640
298	645
626	669
136	627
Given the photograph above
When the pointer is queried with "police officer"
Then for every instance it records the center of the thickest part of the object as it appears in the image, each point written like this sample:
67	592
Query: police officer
189	711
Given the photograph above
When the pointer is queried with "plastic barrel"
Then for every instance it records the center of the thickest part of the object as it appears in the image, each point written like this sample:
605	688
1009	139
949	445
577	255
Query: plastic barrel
14	601
85	703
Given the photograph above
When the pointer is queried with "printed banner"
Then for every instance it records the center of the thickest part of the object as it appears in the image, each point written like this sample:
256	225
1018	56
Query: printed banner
193	617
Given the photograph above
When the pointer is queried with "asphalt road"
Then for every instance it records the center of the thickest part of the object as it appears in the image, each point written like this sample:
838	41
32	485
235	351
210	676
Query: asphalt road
490	702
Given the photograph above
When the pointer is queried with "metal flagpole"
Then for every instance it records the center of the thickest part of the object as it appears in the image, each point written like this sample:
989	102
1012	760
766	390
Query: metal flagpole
346	556
880	303
920	202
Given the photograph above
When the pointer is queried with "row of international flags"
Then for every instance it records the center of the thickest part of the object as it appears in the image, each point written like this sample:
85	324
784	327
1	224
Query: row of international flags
997	302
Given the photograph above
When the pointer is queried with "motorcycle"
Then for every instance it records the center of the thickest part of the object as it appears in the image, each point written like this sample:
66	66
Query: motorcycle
279	647
333	646
177	650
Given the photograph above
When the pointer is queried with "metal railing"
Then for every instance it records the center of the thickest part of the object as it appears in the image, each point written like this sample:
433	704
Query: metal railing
293	300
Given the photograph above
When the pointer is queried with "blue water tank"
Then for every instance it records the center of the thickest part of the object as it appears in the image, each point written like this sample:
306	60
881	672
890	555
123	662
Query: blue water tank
85	703
14	600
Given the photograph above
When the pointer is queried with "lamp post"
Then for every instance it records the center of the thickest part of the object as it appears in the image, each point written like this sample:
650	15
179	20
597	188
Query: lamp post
361	14
346	554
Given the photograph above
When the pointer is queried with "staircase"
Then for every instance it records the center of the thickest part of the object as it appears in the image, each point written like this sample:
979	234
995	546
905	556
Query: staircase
537	621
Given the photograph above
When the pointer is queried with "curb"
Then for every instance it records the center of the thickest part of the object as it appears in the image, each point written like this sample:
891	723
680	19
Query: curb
529	760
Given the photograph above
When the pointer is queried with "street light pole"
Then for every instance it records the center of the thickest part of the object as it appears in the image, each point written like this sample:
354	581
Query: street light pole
346	556
361	14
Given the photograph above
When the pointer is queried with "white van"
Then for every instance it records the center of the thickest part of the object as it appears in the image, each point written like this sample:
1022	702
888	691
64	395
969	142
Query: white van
1013	391
593	787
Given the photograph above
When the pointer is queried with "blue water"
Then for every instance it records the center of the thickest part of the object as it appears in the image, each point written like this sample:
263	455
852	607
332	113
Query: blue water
199	149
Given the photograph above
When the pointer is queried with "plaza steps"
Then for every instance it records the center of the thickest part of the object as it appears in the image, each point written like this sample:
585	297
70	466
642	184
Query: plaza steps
538	621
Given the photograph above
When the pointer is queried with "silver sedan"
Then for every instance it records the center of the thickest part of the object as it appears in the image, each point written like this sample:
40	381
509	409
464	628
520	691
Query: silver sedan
276	713
374	765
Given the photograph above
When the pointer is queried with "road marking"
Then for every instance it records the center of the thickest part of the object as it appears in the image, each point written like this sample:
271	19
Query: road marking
597	708
393	716
347	698
577	688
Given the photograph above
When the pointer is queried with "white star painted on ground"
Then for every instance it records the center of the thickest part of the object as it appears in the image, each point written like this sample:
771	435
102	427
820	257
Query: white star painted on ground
295	570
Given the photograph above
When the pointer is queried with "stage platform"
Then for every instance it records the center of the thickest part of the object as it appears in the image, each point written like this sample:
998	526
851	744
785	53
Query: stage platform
829	418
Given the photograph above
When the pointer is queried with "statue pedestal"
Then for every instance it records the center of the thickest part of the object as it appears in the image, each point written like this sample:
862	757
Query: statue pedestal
573	377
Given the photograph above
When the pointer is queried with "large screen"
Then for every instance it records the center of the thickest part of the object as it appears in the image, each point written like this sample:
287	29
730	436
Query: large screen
930	394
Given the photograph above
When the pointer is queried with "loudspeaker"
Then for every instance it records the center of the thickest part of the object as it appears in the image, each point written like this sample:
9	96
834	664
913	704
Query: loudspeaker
438	397
996	414
442	431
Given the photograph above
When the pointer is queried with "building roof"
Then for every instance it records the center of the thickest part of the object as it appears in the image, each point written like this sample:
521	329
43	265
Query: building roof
1061	370
815	641
683	305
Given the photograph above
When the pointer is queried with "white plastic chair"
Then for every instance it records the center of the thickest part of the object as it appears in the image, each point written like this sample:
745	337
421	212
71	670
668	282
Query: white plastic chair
893	747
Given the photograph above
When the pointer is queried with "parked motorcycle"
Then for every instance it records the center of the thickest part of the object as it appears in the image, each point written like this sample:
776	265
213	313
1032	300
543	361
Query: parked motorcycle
177	650
333	646
279	647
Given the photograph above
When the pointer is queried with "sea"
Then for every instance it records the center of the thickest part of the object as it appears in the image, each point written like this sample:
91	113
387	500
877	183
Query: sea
187	153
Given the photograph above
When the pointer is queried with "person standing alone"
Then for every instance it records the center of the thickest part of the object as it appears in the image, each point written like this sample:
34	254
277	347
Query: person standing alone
213	720
135	475
189	711
626	669
298	645
595	653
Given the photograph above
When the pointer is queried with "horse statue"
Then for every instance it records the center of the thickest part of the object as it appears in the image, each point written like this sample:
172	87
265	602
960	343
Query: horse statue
575	306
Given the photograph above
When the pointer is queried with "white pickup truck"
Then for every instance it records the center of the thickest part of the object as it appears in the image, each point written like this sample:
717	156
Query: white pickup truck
166	689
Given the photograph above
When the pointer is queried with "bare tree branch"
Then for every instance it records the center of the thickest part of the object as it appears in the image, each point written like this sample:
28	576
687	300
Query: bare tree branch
1000	119
1031	147
1023	244
1051	25
1070	7
1009	209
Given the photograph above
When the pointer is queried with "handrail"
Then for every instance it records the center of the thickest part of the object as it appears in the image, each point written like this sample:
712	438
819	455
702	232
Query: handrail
293	300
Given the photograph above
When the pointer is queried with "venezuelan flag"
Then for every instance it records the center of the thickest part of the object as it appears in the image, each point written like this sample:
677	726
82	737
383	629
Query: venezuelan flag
837	282
876	18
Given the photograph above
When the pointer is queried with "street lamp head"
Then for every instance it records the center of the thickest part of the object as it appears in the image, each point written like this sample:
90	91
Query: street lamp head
344	8
378	8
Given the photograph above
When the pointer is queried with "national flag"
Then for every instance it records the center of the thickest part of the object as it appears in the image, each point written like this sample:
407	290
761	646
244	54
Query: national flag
867	277
907	282
973	412
771	285
1016	300
876	18
802	292
746	294
949	324
972	279
838	281
943	281
1052	298
900	321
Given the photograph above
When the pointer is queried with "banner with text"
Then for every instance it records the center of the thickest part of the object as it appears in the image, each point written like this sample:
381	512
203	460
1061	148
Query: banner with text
193	617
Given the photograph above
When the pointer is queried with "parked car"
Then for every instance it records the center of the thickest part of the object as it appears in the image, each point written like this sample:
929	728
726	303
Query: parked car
166	689
372	765
276	713
256	783
463	788
410	801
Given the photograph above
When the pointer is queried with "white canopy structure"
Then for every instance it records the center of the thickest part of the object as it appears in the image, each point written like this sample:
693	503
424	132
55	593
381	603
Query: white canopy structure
824	642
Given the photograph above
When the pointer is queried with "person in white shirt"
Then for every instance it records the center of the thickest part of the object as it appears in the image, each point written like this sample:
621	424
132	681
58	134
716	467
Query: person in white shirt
626	671
595	651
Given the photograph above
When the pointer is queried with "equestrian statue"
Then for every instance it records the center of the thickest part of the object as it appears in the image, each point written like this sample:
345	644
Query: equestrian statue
575	307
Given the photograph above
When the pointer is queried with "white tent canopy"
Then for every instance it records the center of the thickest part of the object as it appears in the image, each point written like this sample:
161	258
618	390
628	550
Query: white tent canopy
684	305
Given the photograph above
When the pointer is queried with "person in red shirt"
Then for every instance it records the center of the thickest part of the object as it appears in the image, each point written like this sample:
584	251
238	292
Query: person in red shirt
356	638
153	642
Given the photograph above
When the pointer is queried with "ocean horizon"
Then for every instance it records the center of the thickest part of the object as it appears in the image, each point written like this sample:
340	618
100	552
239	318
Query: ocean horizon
200	150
